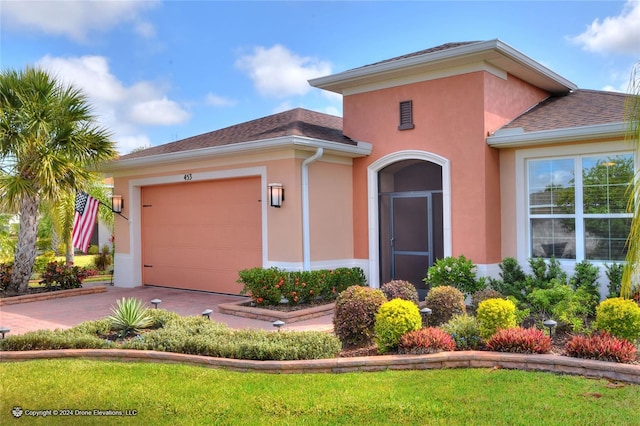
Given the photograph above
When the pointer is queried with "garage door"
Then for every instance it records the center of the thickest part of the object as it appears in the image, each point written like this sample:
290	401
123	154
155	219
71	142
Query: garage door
198	235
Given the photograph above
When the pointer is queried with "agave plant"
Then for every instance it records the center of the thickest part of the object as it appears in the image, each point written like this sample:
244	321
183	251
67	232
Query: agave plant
129	317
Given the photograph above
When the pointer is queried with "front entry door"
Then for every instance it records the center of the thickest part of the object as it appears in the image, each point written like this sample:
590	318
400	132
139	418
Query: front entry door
411	235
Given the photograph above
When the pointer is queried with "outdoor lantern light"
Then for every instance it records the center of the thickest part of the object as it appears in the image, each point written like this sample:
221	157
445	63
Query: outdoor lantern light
278	324
276	194
207	313
551	324
156	302
425	315
3	331
117	203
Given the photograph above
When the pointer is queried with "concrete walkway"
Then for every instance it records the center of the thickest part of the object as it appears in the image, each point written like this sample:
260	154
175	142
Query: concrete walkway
67	312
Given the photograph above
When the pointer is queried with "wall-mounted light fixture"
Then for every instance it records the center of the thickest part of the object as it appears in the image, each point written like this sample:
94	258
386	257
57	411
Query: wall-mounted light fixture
117	203
276	194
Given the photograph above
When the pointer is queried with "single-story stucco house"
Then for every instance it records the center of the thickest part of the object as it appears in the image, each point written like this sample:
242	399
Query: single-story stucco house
466	148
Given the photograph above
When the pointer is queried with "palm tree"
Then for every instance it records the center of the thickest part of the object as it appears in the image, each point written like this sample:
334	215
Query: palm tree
50	145
631	272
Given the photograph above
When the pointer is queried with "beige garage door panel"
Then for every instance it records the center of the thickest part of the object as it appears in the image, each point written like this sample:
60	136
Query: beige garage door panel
198	235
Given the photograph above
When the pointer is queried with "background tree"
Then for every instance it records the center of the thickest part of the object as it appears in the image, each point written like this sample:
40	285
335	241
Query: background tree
50	146
631	273
59	216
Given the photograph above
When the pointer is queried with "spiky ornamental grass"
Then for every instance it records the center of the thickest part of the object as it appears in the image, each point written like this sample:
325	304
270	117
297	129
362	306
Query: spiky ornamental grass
129	317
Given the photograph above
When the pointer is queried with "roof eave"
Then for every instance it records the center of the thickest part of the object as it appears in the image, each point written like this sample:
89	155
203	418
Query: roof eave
361	149
494	52
517	138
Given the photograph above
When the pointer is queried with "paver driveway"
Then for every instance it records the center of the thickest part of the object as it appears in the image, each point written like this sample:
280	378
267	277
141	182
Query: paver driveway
69	311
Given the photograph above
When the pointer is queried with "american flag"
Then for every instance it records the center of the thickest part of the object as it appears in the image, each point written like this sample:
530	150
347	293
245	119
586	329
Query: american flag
84	220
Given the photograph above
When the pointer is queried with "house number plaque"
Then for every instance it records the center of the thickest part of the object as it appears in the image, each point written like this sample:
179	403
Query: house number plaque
188	176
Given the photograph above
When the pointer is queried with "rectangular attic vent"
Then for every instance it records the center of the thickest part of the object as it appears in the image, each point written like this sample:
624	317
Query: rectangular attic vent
406	115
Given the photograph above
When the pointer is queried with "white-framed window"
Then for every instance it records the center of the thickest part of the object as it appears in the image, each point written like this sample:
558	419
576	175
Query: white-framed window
576	205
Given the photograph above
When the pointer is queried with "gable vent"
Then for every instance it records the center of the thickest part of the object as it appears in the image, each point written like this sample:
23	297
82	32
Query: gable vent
406	115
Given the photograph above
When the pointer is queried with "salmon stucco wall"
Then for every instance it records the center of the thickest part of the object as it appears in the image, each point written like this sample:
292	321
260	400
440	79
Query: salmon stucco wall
330	210
452	116
448	119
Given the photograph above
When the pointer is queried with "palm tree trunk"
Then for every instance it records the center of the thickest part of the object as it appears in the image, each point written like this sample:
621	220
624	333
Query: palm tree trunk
26	251
69	253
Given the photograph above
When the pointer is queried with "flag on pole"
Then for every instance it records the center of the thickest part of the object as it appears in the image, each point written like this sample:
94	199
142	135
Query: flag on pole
84	220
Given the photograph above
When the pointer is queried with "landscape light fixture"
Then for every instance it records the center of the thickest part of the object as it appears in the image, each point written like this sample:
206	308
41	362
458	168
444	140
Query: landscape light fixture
277	324
551	324
156	302
425	312
4	330
207	313
276	194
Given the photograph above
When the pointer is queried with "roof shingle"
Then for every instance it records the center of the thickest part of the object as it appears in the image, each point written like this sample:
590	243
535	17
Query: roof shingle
295	122
576	109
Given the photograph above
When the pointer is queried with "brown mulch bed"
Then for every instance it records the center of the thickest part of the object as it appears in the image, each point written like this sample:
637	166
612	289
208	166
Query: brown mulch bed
288	308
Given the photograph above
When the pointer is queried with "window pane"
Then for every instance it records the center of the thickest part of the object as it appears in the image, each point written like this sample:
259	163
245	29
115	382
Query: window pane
605	239
551	186
553	238
605	180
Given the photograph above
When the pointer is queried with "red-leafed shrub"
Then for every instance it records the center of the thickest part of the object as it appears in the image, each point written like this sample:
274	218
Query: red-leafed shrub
520	340
399	289
445	302
425	341
601	346
355	314
62	276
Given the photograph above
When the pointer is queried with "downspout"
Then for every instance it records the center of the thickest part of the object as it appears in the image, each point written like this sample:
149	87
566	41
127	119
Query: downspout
306	239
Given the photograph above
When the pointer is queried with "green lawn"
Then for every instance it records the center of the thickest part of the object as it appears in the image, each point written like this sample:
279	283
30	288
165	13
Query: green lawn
180	394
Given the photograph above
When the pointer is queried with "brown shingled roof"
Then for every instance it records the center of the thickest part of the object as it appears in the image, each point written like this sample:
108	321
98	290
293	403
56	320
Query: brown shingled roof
576	109
295	122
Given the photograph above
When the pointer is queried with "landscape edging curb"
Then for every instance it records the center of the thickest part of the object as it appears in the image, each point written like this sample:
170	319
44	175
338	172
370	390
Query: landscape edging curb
629	373
26	298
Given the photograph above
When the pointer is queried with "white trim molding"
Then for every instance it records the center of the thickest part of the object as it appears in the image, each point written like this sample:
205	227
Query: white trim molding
521	191
372	194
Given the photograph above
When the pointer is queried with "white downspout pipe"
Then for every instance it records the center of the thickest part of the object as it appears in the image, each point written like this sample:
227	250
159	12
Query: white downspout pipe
306	239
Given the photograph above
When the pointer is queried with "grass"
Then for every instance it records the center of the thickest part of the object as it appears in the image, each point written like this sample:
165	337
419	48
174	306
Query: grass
180	394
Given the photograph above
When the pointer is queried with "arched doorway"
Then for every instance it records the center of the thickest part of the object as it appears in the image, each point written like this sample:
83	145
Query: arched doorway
411	225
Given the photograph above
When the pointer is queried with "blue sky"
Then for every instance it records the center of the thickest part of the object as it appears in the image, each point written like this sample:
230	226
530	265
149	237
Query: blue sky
159	71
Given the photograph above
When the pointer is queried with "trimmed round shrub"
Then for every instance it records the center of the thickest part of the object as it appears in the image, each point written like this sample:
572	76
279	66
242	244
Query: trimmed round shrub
445	302
494	315
465	331
425	341
355	315
520	340
399	289
619	317
487	293
395	318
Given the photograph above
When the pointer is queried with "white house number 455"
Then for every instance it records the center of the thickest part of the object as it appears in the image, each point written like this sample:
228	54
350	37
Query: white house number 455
188	176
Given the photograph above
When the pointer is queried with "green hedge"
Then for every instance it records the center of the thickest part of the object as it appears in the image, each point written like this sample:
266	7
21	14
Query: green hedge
194	335
270	286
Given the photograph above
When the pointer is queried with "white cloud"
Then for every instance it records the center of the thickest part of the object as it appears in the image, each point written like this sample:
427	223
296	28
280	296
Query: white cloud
282	107
126	144
280	73
158	112
121	109
75	19
332	111
618	34
218	101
